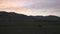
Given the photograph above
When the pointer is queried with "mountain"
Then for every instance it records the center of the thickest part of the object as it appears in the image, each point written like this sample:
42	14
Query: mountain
14	16
47	18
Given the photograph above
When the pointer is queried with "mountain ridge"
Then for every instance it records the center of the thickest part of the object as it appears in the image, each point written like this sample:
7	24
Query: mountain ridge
16	16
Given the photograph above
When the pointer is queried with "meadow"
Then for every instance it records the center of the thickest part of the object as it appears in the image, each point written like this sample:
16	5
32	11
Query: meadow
29	27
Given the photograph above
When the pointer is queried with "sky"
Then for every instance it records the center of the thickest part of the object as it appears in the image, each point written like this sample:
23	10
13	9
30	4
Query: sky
31	7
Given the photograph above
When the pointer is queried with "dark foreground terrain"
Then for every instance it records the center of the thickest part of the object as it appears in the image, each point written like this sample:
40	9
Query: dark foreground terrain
31	28
13	23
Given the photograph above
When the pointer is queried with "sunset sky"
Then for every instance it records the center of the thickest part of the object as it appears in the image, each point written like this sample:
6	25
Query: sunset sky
31	7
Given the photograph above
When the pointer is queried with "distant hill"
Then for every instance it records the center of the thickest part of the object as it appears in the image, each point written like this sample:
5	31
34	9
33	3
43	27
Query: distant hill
14	16
47	18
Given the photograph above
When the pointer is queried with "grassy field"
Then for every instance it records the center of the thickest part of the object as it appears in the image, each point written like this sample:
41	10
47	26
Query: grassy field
28	27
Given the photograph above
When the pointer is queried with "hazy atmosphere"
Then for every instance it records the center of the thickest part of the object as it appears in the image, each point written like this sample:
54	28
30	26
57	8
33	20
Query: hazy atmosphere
31	7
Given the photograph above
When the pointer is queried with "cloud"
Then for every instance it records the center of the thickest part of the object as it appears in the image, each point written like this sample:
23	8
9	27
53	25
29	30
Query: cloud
34	4
45	4
18	3
32	7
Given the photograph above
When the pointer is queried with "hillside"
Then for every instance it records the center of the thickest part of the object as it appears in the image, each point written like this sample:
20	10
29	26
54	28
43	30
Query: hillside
13	23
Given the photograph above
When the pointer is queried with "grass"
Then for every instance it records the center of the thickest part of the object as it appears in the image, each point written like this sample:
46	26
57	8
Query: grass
29	27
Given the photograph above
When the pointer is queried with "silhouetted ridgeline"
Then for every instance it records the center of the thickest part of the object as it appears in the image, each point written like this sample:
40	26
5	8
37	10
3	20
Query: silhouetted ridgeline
47	18
14	16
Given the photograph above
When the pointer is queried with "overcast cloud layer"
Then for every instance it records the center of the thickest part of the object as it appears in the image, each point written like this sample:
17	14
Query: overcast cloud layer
33	7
